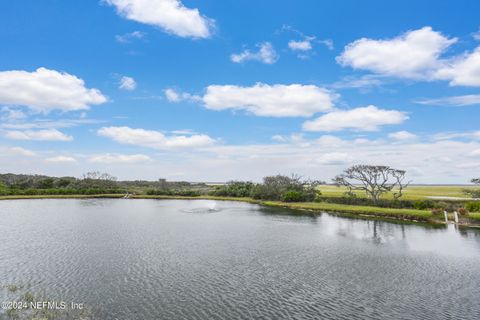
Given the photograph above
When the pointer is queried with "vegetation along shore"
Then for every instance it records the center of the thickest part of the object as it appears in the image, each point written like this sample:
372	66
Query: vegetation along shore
364	191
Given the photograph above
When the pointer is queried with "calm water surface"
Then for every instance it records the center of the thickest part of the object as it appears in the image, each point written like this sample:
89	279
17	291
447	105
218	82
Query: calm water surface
199	259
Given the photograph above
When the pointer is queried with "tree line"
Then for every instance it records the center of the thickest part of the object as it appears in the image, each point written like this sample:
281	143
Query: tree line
372	181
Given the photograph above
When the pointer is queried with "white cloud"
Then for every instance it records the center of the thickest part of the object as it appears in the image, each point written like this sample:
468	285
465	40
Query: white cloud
120	158
475	153
457	101
334	158
45	90
11	114
476	35
278	100
22	151
303	45
455	135
327	43
173	95
368	118
129	37
362	82
61	159
414	54
38	135
463	70
402	135
170	15
127	83
425	161
154	139
265	54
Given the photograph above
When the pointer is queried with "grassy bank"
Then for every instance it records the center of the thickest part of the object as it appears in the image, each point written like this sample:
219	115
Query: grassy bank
313	207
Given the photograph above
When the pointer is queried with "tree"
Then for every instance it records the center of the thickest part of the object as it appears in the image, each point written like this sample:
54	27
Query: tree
373	180
474	193
275	187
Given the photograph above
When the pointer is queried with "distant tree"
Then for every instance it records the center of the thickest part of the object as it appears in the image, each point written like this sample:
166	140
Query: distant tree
276	187
373	180
474	193
46	183
96	179
64	182
234	189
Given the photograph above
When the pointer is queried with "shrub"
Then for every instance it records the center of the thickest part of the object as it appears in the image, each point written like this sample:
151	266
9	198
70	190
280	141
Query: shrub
473	206
424	204
273	188
293	196
462	211
437	211
234	189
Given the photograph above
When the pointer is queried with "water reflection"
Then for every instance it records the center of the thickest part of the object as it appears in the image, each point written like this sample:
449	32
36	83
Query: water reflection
152	259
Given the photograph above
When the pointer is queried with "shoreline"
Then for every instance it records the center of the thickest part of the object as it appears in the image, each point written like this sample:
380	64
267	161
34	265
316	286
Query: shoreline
362	212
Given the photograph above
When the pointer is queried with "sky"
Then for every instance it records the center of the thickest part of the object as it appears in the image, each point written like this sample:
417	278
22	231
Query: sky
238	90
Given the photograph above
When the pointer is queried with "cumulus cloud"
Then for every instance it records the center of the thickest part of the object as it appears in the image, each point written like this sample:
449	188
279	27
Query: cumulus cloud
170	15
278	100
368	118
130	36
414	54
402	135
119	158
463	70
456	101
266	54
154	139
61	159
45	90
127	83
38	135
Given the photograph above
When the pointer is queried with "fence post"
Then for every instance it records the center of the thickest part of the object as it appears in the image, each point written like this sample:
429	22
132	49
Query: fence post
455	214
445	214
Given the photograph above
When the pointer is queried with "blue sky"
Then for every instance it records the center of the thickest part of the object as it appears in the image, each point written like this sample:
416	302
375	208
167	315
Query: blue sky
220	90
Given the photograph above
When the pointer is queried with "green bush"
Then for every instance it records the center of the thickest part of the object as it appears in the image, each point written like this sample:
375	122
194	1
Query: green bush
424	204
473	206
293	196
234	189
168	192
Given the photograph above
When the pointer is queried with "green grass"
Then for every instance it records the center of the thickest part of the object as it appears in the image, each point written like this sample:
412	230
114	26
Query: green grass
409	214
474	216
411	193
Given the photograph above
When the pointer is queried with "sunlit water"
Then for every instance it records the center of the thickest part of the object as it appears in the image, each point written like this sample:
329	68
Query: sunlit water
150	259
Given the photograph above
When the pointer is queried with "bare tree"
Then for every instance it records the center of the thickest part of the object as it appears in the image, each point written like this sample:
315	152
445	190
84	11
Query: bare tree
373	180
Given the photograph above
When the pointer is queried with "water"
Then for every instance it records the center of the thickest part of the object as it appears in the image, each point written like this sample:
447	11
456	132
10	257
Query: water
171	259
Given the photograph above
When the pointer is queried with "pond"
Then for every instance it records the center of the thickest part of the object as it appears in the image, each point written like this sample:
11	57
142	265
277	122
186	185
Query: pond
201	259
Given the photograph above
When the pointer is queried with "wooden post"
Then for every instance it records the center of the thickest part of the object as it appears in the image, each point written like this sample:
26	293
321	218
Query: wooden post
455	215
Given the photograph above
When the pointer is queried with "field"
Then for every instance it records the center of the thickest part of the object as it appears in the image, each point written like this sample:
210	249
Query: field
415	192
